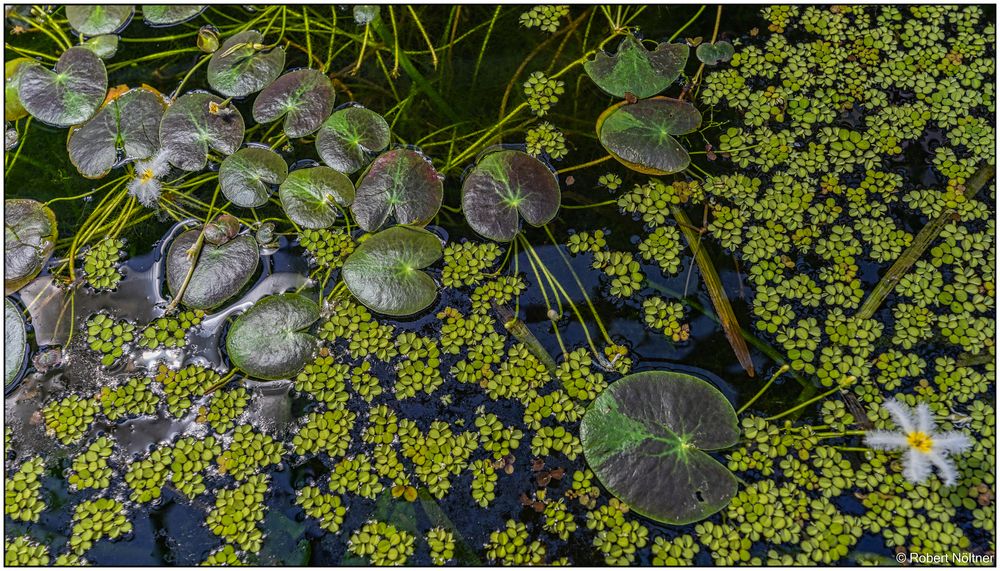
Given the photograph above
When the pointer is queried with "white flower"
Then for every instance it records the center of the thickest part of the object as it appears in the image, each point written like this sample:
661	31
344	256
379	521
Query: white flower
924	447
146	185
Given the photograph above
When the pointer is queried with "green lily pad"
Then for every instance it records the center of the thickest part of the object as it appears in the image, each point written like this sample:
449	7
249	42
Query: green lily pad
712	54
95	20
193	124
402	184
644	437
506	186
12	108
384	272
304	97
311	196
15	342
636	70
29	237
351	137
169	14
641	135
269	341
104	46
246	176
68	95
242	66
124	128
221	271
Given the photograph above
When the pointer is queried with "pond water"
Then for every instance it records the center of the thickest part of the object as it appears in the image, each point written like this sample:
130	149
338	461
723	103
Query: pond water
450	82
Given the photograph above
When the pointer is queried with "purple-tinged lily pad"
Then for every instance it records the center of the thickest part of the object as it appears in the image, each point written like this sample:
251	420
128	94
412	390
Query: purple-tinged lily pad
219	274
313	197
12	108
712	54
641	135
195	123
163	15
384	272
67	95
97	19
304	97
104	46
636	70
271	340
244	65
506	186
402	185
351	137
248	175
29	237
126	128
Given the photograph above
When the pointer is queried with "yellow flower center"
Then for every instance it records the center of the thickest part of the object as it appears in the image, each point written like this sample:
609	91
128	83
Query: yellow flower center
920	440
146	176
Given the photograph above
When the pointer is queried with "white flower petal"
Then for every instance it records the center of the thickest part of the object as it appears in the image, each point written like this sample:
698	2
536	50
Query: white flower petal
951	442
917	466
885	440
925	419
901	414
946	469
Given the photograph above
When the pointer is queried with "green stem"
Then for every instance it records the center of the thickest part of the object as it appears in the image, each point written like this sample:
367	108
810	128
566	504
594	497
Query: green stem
783	369
847	382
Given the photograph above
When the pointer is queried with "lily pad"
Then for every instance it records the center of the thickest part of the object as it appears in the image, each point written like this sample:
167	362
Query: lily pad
29	236
402	184
15	342
641	135
247	175
384	272
636	70
94	20
644	437
221	271
270	340
243	65
169	14
68	95
506	186
304	97
104	46
311	196
196	122
12	108
349	139
126	127
712	54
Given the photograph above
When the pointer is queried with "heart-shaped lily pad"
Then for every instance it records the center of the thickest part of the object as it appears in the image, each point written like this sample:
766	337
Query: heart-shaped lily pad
712	54
641	135
349	139
400	183
104	46
126	126
12	108
169	14
221	271
29	236
384	272
68	95
506	186
644	439
95	20
270	340
243	65
15	342
304	97
247	175
311	196
196	122
636	70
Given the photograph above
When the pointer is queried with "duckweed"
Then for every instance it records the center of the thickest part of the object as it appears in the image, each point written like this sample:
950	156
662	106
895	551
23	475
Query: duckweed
132	398
96	519
23	551
442	545
109	337
170	332
90	468
327	508
237	512
249	452
100	264
22	496
68	419
382	544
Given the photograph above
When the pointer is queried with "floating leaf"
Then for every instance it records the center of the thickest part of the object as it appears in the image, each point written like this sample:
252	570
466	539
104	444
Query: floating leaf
68	95
29	236
100	19
15	342
644	439
505	186
196	122
303	97
270	341
400	183
127	125
243	65
247	175
712	54
640	135
311	196
636	70
349	139
12	108
384	272
221	271
104	46
169	14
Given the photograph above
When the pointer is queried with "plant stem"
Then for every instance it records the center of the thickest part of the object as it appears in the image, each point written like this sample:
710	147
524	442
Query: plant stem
783	369
819	397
